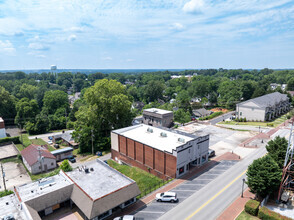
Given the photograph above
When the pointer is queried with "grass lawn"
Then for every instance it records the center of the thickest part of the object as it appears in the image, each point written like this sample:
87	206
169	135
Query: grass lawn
275	123
19	147
27	142
245	216
44	175
146	181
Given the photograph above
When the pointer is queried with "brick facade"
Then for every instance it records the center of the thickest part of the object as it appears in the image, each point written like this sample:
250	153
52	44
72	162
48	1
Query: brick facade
2	125
158	163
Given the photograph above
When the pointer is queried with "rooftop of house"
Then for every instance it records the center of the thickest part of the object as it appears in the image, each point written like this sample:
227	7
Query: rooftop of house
9	205
157	111
159	138
97	179
44	186
201	112
62	150
268	99
32	153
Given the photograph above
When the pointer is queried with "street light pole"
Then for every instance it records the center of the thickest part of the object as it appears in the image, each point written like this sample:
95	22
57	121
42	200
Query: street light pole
242	187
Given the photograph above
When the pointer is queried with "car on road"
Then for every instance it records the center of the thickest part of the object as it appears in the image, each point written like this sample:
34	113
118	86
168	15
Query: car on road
71	159
211	153
50	142
50	138
166	197
125	217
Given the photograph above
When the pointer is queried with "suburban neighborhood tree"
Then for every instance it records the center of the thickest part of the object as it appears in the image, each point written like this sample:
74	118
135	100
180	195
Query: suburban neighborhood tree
277	149
154	90
65	166
107	107
26	111
264	176
182	117
55	99
7	106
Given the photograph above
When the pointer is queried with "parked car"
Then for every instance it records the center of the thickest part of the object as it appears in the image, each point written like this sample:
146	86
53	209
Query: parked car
50	142
50	138
71	159
99	153
125	217
166	197
56	145
211	153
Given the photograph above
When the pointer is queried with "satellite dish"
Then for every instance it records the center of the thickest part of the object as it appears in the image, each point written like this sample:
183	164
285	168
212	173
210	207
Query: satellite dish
53	67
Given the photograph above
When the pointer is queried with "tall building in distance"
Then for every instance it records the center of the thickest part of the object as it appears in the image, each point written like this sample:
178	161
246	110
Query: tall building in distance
158	117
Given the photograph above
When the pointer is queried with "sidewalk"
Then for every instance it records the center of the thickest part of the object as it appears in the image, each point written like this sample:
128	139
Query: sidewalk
236	207
192	173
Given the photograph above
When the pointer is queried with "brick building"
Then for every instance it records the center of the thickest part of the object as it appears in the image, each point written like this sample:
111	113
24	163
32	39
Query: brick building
158	117
162	152
2	128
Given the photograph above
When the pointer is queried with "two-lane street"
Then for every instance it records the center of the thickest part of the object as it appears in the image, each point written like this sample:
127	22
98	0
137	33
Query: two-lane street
210	201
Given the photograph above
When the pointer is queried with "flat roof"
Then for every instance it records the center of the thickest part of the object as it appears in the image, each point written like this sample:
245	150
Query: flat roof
158	138
157	111
9	205
100	181
43	186
62	150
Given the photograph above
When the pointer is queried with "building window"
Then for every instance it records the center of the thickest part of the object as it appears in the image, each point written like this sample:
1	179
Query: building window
129	202
240	113
181	170
104	215
52	164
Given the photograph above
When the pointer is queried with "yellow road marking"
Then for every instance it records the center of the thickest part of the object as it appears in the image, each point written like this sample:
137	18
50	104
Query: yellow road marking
216	195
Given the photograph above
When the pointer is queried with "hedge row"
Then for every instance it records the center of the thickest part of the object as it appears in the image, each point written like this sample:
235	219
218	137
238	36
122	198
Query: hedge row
251	207
213	115
266	214
10	139
5	193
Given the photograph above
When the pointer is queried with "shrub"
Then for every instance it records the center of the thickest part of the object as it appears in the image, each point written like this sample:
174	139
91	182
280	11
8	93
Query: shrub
245	120
5	193
65	166
251	207
266	214
10	139
288	116
270	124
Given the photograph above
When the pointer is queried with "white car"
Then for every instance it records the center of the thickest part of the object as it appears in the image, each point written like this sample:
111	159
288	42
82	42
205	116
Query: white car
50	142
166	197
125	217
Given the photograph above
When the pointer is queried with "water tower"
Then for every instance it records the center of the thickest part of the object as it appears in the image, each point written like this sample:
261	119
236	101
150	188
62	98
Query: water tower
53	70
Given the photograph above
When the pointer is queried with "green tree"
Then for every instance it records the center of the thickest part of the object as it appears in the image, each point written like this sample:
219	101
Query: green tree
264	176
65	166
290	84
230	93
183	100
7	106
54	100
39	126
277	149
154	90
181	116
107	107
26	111
27	91
259	91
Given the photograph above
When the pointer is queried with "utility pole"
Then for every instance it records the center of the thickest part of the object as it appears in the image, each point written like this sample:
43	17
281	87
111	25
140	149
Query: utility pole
242	187
21	135
3	176
92	142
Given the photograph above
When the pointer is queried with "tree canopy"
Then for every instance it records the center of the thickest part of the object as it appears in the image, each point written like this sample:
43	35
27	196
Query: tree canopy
277	149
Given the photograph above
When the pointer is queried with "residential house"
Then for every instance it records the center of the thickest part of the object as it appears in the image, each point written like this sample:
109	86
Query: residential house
202	112
62	153
2	128
263	108
158	117
66	138
162	152
38	159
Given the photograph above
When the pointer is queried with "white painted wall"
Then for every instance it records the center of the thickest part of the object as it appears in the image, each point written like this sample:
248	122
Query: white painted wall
251	113
114	141
51	164
2	133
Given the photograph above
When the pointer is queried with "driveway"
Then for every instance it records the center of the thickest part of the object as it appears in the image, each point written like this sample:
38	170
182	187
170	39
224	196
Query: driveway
221	118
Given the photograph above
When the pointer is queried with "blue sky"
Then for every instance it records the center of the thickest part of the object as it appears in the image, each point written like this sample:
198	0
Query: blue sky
140	34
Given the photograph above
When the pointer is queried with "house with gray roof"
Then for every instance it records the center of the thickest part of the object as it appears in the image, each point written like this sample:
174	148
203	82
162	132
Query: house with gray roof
66	138
202	112
263	108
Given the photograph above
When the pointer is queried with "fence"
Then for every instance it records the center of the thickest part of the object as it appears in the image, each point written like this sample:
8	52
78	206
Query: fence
153	188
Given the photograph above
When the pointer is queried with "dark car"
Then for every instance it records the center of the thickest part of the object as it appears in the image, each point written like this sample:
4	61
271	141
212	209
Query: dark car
72	159
211	153
56	145
99	153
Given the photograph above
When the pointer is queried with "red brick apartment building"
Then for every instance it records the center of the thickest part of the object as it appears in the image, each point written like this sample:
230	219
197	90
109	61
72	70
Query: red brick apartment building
162	152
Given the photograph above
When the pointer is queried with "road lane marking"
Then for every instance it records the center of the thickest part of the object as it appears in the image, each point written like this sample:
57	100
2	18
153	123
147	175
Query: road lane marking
216	195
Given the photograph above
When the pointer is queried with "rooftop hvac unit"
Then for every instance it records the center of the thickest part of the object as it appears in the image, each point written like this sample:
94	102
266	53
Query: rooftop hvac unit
86	170
163	134
181	140
150	130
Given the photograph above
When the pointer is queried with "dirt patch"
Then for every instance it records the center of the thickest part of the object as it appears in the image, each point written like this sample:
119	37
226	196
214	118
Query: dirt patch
224	110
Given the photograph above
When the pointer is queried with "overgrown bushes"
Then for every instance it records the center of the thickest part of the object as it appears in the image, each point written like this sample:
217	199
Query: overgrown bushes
270	124
10	139
266	214
251	207
5	193
213	115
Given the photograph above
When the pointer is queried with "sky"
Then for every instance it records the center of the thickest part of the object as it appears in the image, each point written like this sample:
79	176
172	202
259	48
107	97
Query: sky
146	34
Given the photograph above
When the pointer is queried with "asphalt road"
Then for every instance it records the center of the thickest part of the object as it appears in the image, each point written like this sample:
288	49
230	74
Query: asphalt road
221	118
210	201
46	135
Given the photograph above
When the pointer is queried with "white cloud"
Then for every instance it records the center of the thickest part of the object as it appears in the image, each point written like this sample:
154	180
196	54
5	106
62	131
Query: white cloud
72	37
107	58
75	29
7	47
38	46
193	6
130	60
177	26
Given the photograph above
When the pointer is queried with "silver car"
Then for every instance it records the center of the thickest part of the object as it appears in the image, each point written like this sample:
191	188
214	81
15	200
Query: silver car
166	197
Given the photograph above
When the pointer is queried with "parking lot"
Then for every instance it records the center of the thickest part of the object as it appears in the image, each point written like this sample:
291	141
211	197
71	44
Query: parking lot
221	140
156	209
7	151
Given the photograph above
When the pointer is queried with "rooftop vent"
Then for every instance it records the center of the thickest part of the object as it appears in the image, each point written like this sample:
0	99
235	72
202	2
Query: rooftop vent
7	203
150	130
92	169
87	170
163	134
181	140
